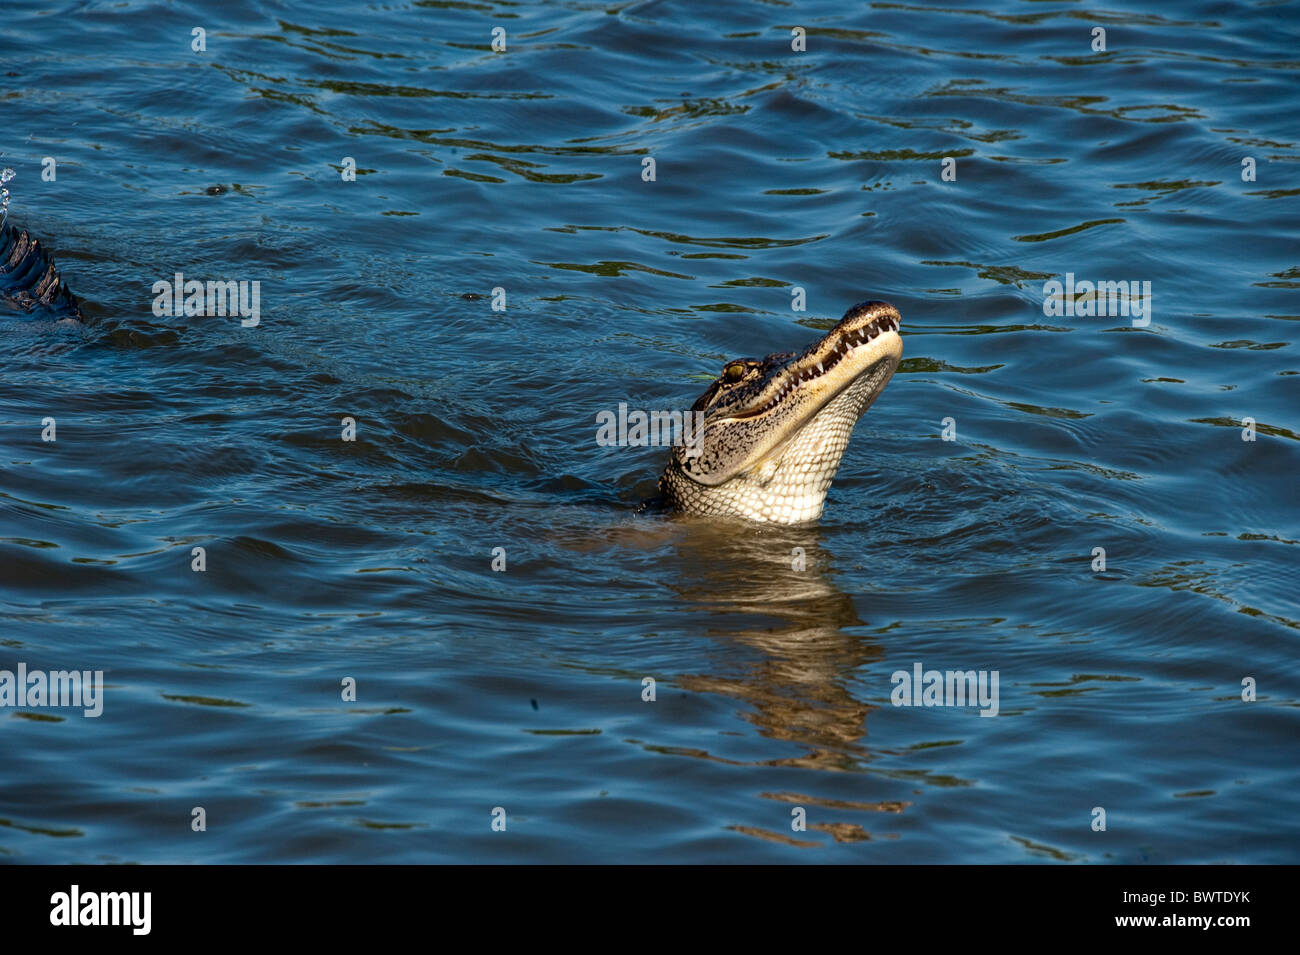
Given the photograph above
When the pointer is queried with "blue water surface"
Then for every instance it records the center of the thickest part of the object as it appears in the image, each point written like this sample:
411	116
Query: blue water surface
772	650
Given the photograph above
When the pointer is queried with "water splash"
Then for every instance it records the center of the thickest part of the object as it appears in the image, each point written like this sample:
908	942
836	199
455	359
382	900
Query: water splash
5	175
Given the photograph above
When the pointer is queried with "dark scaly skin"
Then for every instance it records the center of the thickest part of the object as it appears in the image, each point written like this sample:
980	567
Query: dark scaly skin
775	428
29	282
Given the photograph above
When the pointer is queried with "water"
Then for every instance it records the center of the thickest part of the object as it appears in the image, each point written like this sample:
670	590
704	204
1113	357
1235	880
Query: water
372	559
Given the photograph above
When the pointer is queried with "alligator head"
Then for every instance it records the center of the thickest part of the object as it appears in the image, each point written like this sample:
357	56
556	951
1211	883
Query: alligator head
773	429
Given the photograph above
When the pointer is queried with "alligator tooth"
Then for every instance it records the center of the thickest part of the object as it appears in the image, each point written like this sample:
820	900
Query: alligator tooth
820	369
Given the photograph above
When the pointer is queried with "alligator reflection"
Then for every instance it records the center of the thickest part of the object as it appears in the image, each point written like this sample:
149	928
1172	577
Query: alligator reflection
769	589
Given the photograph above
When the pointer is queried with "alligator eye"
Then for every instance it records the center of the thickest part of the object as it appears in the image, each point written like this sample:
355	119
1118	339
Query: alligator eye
735	371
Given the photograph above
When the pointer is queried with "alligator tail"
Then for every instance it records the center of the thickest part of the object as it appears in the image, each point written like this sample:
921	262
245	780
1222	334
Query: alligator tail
28	279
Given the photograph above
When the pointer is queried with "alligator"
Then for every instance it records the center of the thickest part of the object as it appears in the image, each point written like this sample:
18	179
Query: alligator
772	433
774	429
29	282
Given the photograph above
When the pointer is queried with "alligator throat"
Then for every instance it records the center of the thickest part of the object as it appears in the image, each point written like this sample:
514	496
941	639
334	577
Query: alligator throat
775	428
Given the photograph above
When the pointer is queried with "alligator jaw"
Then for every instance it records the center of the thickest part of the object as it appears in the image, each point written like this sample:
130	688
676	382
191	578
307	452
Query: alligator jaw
775	428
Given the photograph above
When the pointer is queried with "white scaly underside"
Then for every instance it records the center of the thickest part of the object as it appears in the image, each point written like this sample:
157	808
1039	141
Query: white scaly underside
790	488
